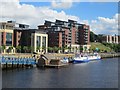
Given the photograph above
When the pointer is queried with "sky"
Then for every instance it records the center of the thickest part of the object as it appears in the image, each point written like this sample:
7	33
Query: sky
101	16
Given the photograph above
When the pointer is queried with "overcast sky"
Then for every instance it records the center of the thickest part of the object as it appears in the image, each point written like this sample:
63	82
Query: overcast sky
101	16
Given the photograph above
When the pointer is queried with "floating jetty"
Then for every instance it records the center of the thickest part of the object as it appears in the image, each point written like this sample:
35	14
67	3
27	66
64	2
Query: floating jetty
43	61
55	63
16	62
12	62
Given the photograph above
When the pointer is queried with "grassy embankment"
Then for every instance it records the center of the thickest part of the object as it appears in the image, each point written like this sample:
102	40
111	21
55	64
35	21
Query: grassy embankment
101	47
107	52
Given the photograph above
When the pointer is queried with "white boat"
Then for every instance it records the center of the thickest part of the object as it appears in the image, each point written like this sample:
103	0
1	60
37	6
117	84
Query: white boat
94	56
80	58
86	58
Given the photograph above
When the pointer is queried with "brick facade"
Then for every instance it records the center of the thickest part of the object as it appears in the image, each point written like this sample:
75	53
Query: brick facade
62	33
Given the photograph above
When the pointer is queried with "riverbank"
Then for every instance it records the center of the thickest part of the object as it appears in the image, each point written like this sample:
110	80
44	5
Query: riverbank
58	55
29	60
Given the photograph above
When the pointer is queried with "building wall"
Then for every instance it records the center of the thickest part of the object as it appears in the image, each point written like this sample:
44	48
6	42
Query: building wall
81	36
73	35
110	39
65	34
119	39
26	37
17	37
4	33
84	35
60	39
88	43
54	38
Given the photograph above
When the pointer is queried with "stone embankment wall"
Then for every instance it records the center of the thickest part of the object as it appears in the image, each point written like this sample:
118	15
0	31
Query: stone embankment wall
109	55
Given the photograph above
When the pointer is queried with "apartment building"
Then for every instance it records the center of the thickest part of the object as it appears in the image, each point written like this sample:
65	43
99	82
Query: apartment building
84	34
66	33
110	39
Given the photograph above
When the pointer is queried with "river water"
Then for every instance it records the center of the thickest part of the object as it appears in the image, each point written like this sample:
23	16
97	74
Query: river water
94	74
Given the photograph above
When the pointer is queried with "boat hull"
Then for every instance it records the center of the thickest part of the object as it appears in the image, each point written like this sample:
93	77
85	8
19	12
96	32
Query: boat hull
80	61
86	60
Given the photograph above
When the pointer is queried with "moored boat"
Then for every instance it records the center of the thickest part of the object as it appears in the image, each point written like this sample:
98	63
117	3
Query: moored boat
86	58
80	58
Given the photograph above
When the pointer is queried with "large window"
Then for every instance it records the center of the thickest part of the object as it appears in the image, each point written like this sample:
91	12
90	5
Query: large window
38	41
44	42
2	26
8	39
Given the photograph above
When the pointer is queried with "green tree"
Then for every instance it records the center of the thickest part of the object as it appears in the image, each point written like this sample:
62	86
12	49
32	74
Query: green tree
25	49
69	48
114	47
38	48
3	48
85	48
92	37
10	49
81	49
50	49
73	49
0	49
18	48
32	49
44	49
59	49
64	48
55	49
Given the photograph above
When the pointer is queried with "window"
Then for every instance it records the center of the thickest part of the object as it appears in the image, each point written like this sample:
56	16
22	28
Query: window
2	26
8	39
38	41
44	42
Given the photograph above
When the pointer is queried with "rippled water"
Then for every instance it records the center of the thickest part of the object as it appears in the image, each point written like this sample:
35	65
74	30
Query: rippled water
95	74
